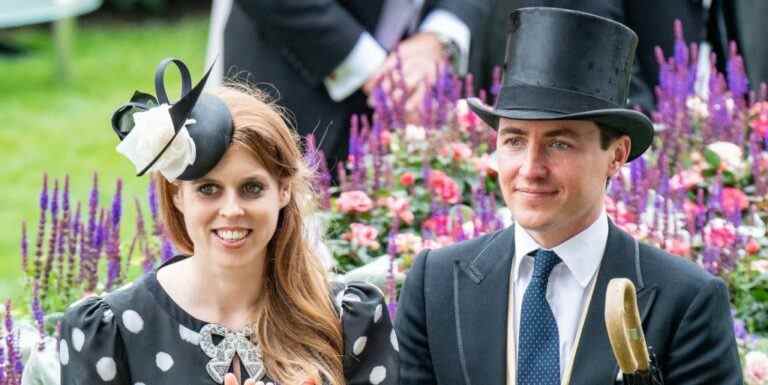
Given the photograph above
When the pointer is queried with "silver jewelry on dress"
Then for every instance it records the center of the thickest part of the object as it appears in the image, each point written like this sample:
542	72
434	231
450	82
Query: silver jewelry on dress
222	354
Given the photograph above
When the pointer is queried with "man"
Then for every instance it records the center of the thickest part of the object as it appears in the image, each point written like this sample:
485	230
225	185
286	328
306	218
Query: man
324	56
525	305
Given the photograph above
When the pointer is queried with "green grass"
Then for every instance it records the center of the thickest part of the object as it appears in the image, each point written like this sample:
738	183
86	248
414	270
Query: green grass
47	126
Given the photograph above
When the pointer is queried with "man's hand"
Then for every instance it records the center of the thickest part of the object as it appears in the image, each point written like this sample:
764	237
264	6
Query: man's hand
420	55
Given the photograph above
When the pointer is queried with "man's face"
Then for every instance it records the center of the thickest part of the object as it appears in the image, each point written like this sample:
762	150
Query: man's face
552	174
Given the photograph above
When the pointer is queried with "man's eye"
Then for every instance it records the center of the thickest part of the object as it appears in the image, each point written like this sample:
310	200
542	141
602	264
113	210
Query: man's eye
208	189
513	141
560	145
252	188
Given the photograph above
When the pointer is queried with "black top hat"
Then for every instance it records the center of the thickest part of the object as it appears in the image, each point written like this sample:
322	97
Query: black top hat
563	64
203	117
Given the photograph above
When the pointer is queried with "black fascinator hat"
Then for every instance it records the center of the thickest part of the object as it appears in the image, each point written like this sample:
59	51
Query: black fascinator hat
182	140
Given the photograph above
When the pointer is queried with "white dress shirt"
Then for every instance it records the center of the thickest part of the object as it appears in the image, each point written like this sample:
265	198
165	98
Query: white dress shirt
568	289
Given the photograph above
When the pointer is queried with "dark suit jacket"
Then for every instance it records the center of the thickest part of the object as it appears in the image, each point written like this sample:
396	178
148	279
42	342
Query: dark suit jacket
295	44
452	318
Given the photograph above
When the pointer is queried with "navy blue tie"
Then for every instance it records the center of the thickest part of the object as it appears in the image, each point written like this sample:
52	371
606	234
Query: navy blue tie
538	353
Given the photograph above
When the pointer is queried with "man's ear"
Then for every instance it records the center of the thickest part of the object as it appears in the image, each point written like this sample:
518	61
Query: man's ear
619	151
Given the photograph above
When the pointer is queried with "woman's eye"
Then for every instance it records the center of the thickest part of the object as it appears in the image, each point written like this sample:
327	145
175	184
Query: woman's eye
252	188
208	189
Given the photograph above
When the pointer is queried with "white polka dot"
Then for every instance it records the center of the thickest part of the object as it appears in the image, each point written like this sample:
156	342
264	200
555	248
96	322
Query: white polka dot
78	339
377	313
393	340
63	352
108	315
164	361
359	345
106	368
139	383
188	335
378	374
133	321
259	382
351	298
339	297
270	383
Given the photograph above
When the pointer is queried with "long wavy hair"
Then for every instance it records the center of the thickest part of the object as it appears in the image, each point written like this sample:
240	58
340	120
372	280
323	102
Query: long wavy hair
297	326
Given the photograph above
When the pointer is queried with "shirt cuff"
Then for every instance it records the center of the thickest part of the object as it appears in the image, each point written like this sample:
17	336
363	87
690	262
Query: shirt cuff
446	23
366	57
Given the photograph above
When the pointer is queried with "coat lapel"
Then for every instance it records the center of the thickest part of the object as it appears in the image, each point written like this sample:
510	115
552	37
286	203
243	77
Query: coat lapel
594	361
481	287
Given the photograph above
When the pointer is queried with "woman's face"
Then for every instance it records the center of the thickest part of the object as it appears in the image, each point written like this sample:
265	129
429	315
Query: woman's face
231	213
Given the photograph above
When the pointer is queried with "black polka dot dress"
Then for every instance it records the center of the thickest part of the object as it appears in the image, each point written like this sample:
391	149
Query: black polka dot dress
137	335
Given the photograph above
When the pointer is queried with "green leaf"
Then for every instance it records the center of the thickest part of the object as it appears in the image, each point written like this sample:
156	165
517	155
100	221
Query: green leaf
712	158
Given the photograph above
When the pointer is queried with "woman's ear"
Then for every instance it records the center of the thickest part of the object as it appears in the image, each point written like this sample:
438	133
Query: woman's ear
176	194
284	194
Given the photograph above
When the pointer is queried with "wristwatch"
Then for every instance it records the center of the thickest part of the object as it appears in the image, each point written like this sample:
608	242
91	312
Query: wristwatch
450	49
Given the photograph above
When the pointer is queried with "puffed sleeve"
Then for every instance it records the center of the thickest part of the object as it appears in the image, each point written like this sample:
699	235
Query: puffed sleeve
370	344
91	350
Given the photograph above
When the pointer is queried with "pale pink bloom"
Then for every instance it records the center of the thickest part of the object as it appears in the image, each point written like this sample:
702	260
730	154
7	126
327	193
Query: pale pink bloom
437	243
752	247
685	179
457	151
730	156
719	233
354	202
362	235
760	123
756	368
400	207
734	199
485	165
465	117
760	266
408	243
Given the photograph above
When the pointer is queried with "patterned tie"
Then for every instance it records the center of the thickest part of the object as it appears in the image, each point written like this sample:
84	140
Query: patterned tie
538	357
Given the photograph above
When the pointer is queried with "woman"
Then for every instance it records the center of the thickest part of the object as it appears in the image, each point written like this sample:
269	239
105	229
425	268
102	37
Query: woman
247	300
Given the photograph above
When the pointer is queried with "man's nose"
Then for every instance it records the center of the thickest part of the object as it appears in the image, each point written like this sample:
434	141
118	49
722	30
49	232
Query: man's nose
534	162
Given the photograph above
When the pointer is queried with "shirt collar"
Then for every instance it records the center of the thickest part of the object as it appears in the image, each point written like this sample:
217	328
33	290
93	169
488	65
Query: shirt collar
581	253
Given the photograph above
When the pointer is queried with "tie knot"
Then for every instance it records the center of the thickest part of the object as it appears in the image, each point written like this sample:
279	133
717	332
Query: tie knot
543	263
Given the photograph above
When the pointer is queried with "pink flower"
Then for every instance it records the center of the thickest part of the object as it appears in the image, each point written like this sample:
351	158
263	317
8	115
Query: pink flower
685	179
400	207
354	202
362	235
760	122
446	189
678	246
437	243
719	233
734	199
407	179
466	118
485	165
756	368
457	151
619	212
408	243
752	247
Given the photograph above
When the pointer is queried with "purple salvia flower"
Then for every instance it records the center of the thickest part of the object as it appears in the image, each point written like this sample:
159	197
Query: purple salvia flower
469	85
38	263
737	77
38	315
392	252
72	243
381	107
167	252
152	198
428	110
2	363
15	366
52	239
681	50
496	82
24	247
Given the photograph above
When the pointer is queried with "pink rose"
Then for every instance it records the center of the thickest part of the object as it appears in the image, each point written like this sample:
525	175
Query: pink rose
486	165
733	200
466	118
760	122
354	202
756	368
362	235
457	151
719	233
446	189
678	246
407	179
685	179
400	207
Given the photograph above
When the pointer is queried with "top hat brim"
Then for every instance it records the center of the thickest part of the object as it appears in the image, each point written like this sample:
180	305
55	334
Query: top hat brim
625	121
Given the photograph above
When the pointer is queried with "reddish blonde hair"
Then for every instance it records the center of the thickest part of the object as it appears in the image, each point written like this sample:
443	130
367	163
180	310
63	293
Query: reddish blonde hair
297	326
